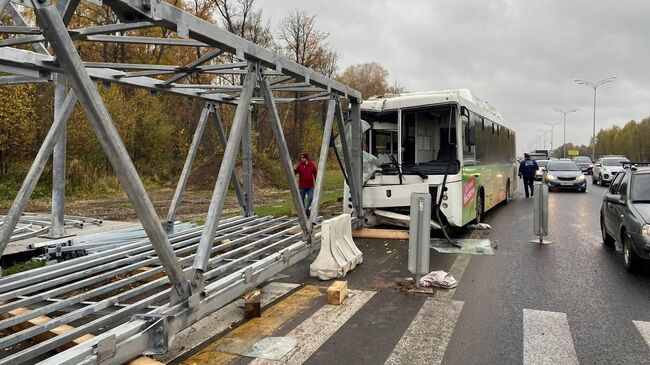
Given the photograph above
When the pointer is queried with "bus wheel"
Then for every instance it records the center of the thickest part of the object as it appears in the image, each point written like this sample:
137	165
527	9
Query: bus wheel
480	207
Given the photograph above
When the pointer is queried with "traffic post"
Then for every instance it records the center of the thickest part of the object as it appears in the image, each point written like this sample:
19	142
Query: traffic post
540	212
419	235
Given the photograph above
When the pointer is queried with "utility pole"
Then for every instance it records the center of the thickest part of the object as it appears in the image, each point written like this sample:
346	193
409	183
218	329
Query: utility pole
594	85
564	113
551	125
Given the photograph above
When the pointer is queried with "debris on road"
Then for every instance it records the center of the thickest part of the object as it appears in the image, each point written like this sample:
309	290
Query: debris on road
440	279
479	226
337	292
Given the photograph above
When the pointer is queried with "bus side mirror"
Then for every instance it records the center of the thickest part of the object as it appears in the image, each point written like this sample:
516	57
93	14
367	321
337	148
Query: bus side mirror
471	136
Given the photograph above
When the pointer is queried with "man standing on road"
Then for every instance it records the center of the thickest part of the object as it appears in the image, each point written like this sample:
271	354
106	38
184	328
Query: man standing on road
527	169
306	171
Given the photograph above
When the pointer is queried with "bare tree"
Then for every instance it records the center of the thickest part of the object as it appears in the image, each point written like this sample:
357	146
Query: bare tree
397	88
301	41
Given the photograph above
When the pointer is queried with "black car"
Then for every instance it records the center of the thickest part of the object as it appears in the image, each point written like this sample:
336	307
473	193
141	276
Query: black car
585	164
625	215
565	174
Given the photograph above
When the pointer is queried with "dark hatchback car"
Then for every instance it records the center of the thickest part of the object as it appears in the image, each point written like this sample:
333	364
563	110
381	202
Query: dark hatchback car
625	215
564	174
585	164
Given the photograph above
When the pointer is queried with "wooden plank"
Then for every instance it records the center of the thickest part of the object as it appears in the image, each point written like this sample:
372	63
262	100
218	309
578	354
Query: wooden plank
253	304
387	234
337	292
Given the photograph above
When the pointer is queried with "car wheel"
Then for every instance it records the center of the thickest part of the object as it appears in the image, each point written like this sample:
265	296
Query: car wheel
631	261
583	190
607	239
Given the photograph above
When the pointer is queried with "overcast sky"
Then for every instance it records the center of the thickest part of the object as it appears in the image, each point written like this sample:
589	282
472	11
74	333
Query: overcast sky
520	55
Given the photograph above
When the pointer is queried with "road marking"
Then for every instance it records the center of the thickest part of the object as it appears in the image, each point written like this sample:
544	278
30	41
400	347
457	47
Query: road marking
219	322
317	329
425	340
644	330
258	328
547	339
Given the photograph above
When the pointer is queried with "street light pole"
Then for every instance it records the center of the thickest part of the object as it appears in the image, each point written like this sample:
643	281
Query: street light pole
543	131
564	113
551	125
595	86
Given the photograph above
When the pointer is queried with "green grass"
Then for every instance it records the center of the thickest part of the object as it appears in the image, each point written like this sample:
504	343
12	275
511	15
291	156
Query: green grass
22	266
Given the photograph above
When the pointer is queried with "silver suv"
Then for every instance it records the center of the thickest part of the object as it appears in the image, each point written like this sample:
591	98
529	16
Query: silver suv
606	168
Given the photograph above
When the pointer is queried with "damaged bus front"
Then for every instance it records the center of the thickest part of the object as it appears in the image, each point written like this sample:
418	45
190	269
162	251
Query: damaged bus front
450	144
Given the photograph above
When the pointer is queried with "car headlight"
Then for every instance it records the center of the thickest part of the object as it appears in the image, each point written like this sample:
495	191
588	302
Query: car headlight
580	177
606	170
645	230
550	177
591	166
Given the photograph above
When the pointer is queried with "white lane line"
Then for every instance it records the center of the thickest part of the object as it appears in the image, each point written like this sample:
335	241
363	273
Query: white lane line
425	340
219	321
314	331
547	339
644	330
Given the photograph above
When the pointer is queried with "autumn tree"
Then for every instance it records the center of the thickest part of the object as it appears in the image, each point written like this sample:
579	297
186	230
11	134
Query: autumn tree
369	78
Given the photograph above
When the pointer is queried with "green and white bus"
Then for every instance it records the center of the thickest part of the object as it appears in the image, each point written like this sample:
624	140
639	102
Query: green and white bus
413	141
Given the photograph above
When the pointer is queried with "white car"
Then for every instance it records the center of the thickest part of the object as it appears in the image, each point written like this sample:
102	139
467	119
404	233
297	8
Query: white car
606	168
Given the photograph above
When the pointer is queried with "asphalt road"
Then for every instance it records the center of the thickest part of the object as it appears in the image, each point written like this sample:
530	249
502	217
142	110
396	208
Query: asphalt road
575	276
569	302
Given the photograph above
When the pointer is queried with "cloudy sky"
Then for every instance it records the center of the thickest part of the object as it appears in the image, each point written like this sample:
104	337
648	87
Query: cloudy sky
520	55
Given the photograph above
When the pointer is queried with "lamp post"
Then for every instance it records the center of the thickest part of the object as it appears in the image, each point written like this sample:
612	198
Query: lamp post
595	86
544	134
551	125
564	113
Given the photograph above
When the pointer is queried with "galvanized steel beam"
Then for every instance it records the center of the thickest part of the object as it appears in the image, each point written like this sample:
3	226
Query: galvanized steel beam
285	157
322	160
35	171
223	178
109	138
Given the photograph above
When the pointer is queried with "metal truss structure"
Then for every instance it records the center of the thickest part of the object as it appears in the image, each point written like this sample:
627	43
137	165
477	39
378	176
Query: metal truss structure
132	300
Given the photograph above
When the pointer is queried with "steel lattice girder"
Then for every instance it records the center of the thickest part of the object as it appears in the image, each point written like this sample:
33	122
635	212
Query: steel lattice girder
221	270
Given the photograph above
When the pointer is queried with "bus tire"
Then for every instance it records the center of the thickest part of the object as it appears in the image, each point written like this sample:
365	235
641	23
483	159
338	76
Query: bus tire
480	206
507	199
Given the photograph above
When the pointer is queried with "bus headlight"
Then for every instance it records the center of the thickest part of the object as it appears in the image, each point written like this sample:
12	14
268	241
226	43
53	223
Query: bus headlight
645	230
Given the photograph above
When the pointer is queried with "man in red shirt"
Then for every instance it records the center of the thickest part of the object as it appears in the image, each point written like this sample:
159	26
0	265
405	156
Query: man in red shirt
306	171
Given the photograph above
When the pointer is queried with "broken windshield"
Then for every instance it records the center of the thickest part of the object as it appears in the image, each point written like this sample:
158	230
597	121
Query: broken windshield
428	140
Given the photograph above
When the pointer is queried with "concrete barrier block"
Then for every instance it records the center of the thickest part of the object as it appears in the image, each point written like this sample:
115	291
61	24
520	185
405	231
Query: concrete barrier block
338	253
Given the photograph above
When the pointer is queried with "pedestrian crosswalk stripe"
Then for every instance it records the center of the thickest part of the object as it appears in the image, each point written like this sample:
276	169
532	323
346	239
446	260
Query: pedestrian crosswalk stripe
547	339
425	340
644	330
319	327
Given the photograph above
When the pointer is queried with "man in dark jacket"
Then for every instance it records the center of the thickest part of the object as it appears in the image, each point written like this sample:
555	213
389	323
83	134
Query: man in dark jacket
306	171
527	169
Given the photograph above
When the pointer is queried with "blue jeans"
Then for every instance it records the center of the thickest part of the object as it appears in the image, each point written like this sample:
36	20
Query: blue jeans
309	193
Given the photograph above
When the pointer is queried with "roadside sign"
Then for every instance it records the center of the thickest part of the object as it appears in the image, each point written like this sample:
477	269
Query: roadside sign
574	152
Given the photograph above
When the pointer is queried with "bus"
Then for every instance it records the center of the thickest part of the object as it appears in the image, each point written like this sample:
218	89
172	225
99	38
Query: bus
449	143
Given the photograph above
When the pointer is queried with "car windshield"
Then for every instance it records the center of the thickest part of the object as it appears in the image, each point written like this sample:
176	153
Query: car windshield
641	188
583	159
543	163
614	161
563	166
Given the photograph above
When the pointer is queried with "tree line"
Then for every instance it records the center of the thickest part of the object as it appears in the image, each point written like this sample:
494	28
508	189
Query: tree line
631	140
157	128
